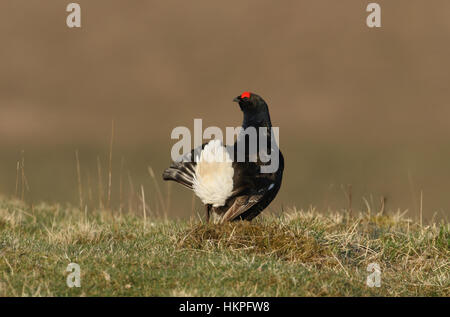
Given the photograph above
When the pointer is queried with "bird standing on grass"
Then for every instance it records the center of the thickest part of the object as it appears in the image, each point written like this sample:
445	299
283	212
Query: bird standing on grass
233	189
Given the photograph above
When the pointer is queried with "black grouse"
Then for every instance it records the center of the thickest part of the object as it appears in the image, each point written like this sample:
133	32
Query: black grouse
235	187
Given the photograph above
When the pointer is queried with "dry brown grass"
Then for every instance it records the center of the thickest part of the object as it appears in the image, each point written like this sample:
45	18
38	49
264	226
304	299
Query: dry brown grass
283	242
301	253
339	243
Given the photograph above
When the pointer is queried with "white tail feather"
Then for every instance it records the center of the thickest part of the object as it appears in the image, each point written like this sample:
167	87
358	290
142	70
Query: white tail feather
213	179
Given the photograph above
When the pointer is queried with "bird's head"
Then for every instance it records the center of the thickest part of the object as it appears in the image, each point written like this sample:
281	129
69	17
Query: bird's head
254	108
250	102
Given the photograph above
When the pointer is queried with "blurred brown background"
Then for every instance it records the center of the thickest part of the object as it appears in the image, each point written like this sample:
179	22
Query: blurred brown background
359	106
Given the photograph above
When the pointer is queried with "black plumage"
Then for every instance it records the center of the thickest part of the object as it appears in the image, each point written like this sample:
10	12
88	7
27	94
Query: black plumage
252	190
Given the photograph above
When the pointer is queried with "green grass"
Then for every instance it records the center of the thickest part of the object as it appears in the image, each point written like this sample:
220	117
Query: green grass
301	253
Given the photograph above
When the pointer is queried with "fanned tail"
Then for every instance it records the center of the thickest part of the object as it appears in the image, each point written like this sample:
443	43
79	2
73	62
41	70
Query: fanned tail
181	172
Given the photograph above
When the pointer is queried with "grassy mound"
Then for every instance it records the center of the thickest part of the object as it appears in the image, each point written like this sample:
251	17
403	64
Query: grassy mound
262	239
302	253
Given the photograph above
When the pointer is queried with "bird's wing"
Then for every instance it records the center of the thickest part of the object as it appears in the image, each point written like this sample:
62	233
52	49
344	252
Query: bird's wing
240	205
250	187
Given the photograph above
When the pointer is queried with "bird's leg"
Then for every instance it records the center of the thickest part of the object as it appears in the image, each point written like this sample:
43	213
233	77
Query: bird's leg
208	211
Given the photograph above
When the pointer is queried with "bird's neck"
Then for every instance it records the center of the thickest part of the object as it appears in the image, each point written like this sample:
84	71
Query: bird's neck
256	120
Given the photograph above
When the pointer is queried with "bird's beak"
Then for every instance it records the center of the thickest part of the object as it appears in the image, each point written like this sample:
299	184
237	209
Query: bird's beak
237	99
